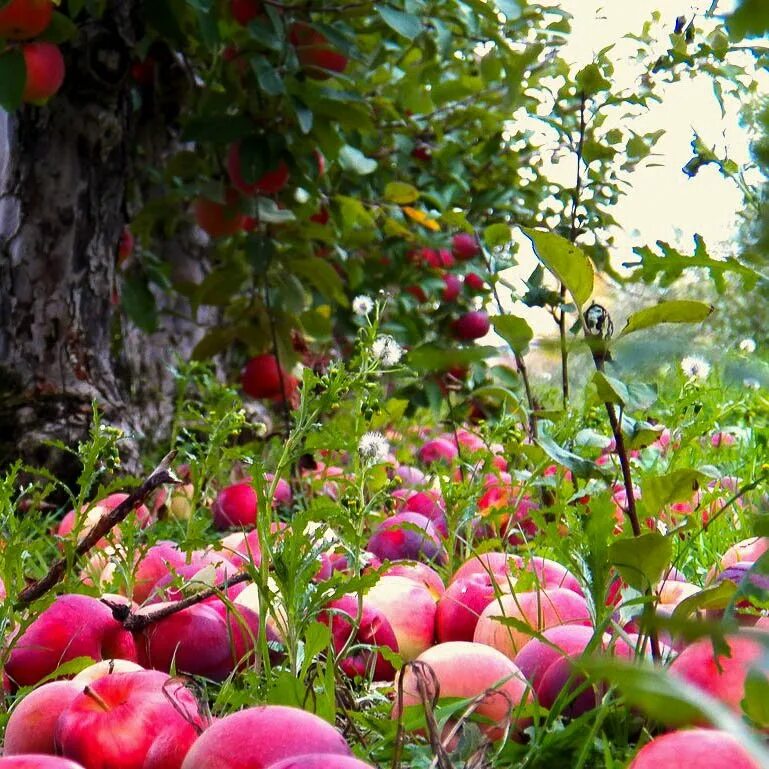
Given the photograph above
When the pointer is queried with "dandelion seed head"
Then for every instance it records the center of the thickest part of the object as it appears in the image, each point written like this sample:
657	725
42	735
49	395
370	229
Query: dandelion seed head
695	367
387	350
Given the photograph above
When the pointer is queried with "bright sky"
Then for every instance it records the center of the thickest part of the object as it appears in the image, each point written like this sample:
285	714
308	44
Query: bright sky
663	204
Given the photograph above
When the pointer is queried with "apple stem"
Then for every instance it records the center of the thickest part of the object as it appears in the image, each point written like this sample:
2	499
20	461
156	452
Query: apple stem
89	692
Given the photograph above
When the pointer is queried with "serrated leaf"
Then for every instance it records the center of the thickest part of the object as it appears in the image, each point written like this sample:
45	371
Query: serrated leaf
569	264
641	560
514	330
401	193
405	24
671	311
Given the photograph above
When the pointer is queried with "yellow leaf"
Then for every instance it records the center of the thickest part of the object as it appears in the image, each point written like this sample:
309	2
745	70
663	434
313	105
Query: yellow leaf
420	217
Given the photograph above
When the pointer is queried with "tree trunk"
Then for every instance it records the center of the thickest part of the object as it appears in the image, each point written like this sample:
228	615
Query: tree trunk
63	174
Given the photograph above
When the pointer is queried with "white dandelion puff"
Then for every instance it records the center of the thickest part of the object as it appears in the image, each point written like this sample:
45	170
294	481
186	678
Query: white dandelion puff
748	345
362	305
373	448
387	350
695	367
751	383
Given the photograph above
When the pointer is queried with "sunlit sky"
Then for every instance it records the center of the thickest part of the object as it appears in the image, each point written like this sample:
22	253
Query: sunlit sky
663	204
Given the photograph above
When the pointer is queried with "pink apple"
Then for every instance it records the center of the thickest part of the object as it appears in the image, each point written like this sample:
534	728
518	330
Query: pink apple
703	748
438	450
320	761
159	560
72	626
539	609
32	724
407	536
410	608
261	736
91	514
105	668
468	670
37	761
113	723
419	572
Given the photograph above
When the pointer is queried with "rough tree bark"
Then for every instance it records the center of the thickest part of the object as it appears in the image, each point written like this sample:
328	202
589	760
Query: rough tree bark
63	178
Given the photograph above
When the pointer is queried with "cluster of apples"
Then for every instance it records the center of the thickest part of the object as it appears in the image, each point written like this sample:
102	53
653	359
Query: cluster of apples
441	261
21	21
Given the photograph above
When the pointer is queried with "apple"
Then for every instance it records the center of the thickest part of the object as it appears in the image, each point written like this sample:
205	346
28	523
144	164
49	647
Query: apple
207	570
261	377
245	11
116	721
91	514
409	537
438	450
219	220
105	668
261	736
720	676
206	639
419	572
159	560
32	724
125	245
427	503
467	670
44	72
452	285
37	761
321	761
703	748
317	57
372	629
464	246
269	183
72	626
539	609
235	506
471	325
410	608
474	282
461	605
492	562
25	19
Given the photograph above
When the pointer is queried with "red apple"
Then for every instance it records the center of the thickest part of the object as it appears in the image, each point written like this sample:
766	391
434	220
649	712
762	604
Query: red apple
373	629
419	572
471	325
91	513
317	57
464	246
235	506
409	537
37	761
703	748
474	282
245	11
452	287
219	220
115	722
72	626
125	245
32	724
269	183
438	450
159	560
45	72
259	737
24	19
104	668
320	761
261	377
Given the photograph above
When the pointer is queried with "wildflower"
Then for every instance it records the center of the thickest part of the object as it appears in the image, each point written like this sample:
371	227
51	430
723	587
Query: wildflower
373	448
695	367
748	345
362	305
751	384
387	350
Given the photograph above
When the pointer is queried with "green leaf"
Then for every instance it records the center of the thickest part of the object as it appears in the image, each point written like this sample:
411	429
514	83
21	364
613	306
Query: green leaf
514	330
590	80
316	639
13	76
567	262
677	486
580	467
750	19
713	597
431	358
268	211
405	24
671	311
641	560
496	235
139	303
401	193
323	276
634	396
352	159
510	8
269	80
304	116
61	29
